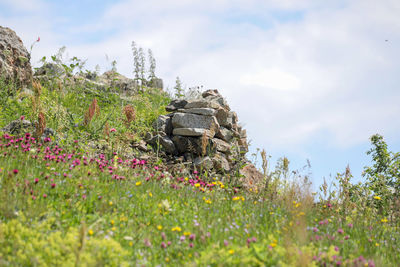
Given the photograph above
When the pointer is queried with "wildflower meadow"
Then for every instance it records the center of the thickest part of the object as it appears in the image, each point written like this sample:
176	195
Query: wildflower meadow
85	197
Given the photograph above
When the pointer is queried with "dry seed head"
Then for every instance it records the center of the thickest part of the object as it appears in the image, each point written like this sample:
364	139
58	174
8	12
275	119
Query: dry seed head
37	87
285	164
93	109
59	85
41	124
107	129
130	114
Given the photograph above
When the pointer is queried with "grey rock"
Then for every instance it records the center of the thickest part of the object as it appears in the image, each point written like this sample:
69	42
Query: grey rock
225	118
21	126
142	146
204	162
156	83
225	134
199	111
115	80
163	124
219	100
48	132
185	144
221	163
148	137
51	70
192	132
166	143
221	145
17	126
176	104
210	92
15	63
187	120
202	104
243	146
250	176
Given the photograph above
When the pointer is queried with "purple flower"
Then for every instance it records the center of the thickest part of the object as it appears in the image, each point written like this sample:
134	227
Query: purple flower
340	231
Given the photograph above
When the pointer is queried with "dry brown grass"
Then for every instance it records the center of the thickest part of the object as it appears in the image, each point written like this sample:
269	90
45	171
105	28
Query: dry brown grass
93	109
130	115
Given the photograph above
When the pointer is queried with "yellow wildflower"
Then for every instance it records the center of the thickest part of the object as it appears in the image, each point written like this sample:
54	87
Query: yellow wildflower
138	183
159	227
231	251
384	220
150	194
377	197
187	233
197	185
90	232
176	229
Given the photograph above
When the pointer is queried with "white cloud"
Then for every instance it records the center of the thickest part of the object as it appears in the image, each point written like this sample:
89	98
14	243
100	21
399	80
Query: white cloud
271	78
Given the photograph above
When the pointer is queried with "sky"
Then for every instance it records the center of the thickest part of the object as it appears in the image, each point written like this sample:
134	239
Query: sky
310	80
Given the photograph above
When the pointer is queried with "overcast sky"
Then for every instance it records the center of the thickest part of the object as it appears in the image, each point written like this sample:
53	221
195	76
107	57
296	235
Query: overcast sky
308	79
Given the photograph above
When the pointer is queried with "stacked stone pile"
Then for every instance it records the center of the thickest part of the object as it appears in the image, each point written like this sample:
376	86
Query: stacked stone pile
204	131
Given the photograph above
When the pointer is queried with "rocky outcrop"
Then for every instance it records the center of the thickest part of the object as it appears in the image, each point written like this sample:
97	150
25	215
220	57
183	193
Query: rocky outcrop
204	131
109	79
14	59
25	126
112	79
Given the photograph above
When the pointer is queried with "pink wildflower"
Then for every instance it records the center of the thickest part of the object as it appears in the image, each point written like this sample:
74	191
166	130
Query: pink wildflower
113	130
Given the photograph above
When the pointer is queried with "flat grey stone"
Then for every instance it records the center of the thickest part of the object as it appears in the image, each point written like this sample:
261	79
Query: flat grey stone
193	132
225	134
204	162
199	111
221	145
202	104
188	120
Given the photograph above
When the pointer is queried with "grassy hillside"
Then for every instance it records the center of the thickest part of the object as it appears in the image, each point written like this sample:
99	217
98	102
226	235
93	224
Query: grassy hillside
87	197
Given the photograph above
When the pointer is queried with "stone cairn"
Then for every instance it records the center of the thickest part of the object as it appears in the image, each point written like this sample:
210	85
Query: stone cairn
202	131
